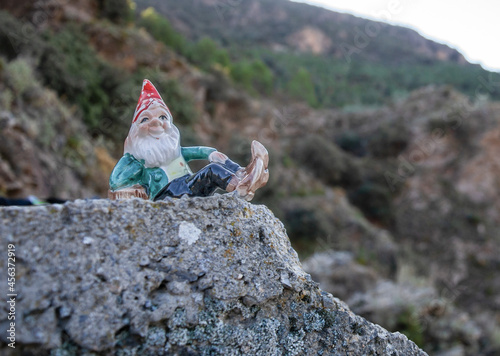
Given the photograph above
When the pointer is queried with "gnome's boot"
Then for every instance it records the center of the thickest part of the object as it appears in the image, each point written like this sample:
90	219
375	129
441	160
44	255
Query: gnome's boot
247	180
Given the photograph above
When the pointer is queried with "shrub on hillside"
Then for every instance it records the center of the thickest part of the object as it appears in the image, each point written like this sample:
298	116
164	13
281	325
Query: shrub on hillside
71	67
463	124
389	140
6	97
374	200
254	76
206	53
352	143
301	87
159	27
327	161
307	224
18	37
117	11
19	76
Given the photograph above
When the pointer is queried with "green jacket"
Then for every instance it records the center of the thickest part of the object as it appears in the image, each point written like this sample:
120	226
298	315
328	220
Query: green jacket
130	171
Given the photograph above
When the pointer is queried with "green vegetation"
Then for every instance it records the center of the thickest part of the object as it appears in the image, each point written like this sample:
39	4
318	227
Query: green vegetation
254	76
338	168
340	84
389	66
17	37
388	140
327	161
117	11
307	224
20	76
206	54
65	62
302	87
410	325
321	81
159	27
71	67
352	143
374	200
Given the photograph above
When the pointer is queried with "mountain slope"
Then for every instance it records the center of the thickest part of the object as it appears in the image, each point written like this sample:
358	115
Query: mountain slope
351	60
301	27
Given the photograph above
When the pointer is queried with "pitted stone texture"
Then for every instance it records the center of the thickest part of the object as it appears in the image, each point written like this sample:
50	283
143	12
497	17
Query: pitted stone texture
195	276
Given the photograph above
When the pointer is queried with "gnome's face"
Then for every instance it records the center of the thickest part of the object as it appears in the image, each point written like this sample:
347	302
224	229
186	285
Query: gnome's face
153	137
155	121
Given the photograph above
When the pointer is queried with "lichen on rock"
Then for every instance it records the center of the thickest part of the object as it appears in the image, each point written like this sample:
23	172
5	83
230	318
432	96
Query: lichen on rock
195	276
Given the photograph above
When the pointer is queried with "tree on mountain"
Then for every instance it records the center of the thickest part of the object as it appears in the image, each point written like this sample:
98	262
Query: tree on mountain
242	74
118	11
262	79
159	27
254	76
301	87
205	53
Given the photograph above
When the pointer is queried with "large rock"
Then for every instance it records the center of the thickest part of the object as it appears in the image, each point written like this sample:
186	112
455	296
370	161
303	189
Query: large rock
189	276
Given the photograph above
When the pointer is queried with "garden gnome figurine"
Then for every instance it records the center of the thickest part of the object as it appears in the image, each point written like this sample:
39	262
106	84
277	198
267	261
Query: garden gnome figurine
154	165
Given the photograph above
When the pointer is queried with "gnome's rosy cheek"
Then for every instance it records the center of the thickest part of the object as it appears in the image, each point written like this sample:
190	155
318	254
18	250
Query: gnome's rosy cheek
144	128
166	125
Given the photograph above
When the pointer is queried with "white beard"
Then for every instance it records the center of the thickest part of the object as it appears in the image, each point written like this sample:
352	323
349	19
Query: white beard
156	152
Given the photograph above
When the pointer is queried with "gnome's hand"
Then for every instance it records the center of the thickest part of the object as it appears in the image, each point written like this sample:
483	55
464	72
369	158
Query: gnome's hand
217	157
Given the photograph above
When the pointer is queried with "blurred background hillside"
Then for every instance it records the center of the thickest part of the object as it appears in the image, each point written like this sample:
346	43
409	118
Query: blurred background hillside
384	145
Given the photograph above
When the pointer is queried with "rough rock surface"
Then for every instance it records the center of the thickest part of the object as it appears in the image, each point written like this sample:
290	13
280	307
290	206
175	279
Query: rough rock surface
189	276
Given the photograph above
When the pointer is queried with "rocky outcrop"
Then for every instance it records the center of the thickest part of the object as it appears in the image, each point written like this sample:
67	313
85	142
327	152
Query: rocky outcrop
44	13
407	304
49	155
310	39
203	276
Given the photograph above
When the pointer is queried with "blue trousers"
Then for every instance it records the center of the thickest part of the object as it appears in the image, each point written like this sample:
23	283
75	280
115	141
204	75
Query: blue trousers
201	184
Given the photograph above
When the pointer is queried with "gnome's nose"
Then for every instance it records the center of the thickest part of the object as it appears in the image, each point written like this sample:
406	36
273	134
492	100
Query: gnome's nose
155	122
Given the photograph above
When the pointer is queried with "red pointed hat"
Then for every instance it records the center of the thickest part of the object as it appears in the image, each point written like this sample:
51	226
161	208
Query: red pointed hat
149	95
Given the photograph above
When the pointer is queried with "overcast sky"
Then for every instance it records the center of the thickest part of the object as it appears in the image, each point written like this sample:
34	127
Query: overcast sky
472	27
